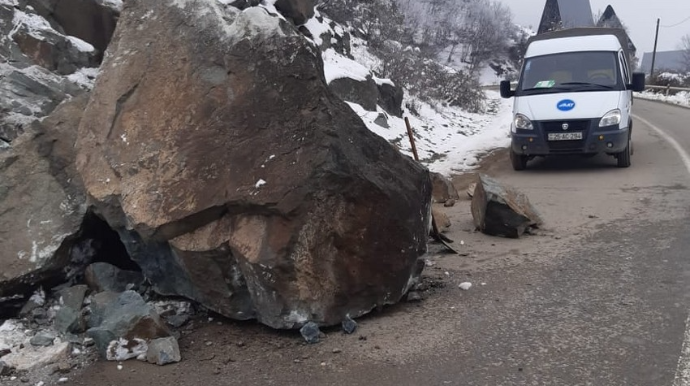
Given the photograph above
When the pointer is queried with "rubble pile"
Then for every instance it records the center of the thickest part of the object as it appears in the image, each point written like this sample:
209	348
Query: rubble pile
69	326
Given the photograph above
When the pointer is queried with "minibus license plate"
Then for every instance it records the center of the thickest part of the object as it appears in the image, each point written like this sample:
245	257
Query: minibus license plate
565	136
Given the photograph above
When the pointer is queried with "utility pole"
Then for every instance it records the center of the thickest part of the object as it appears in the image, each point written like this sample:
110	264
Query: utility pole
656	39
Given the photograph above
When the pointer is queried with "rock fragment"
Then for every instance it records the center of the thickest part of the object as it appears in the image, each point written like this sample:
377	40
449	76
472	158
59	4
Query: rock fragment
43	339
163	351
349	325
311	333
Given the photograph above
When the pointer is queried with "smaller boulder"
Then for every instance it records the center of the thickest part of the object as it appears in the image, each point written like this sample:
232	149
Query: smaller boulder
106	277
390	98
126	322
163	351
500	210
442	188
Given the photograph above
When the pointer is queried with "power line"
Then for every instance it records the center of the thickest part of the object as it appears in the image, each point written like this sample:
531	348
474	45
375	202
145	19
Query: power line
677	24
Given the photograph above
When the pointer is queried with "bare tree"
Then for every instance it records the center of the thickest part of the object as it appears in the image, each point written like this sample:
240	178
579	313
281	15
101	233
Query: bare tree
685	46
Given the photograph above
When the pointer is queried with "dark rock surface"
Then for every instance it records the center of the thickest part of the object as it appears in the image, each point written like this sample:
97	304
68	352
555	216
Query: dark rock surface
251	189
42	202
107	277
298	10
362	92
390	99
500	210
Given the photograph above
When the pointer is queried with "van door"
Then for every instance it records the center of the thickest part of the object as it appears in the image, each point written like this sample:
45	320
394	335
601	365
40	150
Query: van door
626	96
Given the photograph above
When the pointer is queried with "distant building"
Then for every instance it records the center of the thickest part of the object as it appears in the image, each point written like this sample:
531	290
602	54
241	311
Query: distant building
561	14
673	61
609	19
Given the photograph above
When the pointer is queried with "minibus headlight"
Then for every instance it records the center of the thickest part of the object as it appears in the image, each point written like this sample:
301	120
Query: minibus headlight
611	118
521	122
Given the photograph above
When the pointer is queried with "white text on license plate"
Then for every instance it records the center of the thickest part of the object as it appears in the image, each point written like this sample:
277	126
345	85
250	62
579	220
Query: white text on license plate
565	136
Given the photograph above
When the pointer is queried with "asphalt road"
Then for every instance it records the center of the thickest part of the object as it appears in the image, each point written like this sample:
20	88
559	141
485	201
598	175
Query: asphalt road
600	297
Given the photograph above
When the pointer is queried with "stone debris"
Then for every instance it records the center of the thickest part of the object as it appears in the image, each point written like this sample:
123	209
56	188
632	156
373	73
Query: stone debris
37	300
414	296
349	325
311	333
465	286
123	349
30	357
43	339
5	369
163	351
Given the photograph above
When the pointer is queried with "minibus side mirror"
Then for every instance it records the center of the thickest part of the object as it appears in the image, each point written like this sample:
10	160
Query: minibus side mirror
637	82
506	92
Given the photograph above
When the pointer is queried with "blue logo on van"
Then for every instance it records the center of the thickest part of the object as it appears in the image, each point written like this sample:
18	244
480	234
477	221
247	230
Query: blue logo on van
566	105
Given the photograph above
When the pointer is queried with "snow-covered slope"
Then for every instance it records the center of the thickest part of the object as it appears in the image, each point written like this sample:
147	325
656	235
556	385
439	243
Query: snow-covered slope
448	139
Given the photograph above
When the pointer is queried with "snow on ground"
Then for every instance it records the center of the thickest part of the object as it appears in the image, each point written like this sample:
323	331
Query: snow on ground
337	66
488	77
448	140
681	98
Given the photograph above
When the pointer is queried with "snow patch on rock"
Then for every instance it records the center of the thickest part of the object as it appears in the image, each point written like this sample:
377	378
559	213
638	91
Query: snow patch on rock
84	78
80	45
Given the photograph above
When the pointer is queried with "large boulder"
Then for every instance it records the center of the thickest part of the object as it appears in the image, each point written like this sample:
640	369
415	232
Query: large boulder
42	201
500	210
237	179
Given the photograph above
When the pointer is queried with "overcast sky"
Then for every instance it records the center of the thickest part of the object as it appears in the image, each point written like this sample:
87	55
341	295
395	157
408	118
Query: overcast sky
639	15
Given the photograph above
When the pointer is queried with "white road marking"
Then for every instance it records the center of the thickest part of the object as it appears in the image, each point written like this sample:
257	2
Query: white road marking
682	377
681	152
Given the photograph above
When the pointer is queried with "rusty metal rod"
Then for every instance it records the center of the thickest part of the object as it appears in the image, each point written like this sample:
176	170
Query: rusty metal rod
411	135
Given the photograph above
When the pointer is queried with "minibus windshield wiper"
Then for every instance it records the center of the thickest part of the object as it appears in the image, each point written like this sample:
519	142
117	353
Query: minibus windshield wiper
586	84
